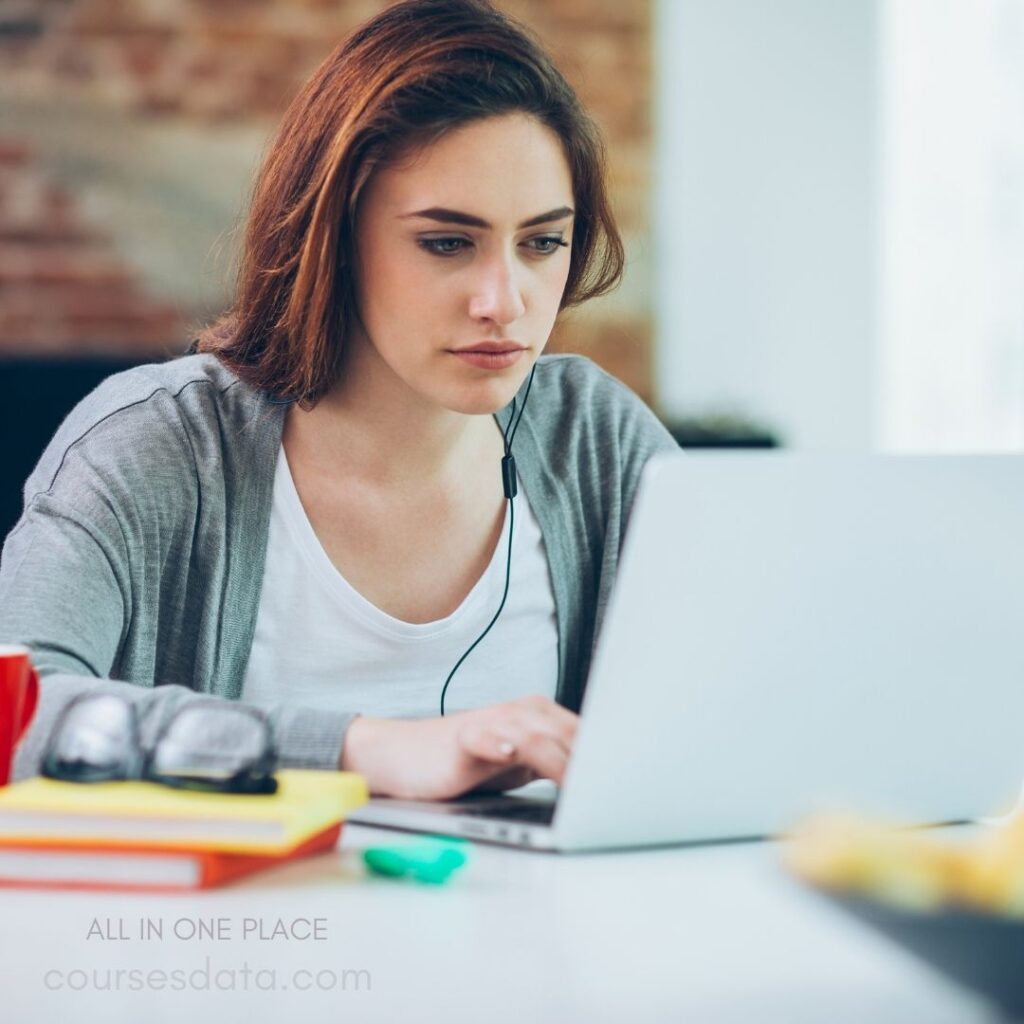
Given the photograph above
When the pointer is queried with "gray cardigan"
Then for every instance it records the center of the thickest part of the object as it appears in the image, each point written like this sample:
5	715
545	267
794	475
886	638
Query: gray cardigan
137	563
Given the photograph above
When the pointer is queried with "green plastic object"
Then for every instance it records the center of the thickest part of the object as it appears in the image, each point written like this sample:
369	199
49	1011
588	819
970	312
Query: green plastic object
432	861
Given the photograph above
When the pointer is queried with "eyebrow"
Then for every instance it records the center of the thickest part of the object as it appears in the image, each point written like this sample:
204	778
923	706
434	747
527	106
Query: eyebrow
443	216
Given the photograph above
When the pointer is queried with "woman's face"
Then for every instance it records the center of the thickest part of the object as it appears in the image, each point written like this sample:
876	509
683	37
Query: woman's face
465	244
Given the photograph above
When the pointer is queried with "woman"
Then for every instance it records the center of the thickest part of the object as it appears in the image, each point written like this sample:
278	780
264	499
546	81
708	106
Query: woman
313	512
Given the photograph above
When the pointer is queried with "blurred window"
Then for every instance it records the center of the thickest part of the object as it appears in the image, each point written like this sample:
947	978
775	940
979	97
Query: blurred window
951	373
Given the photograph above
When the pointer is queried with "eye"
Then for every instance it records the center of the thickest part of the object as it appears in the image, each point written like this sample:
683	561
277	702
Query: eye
444	246
543	245
548	244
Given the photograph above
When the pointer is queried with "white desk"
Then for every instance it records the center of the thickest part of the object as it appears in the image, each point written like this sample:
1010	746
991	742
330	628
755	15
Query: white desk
715	933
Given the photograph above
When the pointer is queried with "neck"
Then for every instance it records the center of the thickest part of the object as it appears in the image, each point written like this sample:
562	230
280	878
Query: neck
374	426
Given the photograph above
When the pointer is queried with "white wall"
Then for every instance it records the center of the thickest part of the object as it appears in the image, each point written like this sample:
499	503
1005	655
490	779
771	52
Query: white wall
952	325
765	214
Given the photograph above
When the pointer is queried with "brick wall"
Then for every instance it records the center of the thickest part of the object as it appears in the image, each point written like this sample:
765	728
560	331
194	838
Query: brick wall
63	288
204	63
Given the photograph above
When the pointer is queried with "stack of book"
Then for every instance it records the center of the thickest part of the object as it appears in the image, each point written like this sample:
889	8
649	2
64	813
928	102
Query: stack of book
144	836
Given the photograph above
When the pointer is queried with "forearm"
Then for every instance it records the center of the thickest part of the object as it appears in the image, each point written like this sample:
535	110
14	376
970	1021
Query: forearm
305	737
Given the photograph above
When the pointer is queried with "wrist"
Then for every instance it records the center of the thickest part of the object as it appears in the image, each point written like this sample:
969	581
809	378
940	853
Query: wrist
365	752
353	743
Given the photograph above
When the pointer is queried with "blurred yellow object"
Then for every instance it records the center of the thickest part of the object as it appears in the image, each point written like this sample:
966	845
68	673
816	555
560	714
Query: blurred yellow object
994	870
912	868
875	858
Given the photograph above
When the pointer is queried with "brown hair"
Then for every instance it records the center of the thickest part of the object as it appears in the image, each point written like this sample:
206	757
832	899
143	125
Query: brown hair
408	75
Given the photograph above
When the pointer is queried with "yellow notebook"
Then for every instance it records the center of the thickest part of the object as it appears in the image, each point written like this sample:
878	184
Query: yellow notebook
146	814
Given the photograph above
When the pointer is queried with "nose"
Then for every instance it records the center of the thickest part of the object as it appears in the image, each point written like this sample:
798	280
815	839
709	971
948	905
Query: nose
497	293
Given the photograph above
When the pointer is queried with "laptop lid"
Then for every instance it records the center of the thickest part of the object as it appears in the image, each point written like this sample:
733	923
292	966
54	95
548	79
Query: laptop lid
790	632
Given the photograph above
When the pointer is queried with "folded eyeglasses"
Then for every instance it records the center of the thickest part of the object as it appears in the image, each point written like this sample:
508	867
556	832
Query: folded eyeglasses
208	745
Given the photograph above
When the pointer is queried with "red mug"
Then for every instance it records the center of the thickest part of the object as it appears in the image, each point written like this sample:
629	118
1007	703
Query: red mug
19	694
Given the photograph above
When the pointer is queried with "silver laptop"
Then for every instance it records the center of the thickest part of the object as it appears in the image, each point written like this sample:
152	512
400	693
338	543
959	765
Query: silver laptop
790	633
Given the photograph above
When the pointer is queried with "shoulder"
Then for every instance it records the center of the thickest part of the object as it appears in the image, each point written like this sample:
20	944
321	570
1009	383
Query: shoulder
146	419
576	375
576	402
158	391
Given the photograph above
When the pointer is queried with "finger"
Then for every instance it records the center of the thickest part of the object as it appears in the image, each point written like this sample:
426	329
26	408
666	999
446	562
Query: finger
489	762
559	720
566	722
542	752
522	726
529	745
490	744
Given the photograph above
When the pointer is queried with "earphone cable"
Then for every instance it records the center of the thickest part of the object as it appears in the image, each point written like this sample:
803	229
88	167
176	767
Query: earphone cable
508	572
509	480
522	409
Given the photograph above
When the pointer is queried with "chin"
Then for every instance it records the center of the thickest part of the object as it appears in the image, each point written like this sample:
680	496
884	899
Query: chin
485	399
478	406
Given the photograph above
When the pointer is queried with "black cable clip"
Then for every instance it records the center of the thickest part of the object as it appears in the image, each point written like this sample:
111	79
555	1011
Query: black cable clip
508	476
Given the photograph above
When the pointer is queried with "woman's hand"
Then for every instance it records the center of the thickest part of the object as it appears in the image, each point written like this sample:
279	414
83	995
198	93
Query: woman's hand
498	747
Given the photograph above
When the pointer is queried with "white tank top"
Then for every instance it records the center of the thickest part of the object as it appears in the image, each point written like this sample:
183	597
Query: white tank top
319	643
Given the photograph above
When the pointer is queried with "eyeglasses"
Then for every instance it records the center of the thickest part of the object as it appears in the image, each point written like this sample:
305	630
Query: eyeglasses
205	745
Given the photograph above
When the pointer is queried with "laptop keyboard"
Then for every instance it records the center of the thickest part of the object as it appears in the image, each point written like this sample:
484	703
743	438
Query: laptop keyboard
535	812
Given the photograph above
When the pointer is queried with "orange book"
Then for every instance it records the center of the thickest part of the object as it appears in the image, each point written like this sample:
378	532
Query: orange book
117	866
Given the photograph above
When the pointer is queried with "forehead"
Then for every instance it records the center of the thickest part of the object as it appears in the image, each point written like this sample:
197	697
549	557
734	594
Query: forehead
502	169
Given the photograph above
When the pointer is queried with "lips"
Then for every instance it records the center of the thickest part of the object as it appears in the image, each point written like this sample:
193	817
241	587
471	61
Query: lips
496	356
491	348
